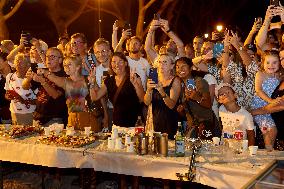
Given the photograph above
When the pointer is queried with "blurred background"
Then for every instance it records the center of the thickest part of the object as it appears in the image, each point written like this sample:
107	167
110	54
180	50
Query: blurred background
49	19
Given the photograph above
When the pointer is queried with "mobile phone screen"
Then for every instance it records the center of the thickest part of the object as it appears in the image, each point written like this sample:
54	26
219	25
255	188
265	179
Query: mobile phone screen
153	74
190	84
218	49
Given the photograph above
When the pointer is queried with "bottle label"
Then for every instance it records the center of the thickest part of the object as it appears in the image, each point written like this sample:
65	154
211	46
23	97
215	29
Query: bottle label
180	147
228	135
239	135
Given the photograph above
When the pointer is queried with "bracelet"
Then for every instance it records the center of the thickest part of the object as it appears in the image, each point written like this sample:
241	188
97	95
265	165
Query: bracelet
165	96
200	100
169	30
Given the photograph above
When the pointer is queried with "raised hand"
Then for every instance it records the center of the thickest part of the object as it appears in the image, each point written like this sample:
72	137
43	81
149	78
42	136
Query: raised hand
164	25
115	25
126	34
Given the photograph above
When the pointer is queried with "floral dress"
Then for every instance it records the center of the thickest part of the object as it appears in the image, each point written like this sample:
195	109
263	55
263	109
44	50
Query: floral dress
268	86
244	86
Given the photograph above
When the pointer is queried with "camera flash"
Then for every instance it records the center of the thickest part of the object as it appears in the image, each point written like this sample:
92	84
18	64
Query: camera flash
219	28
206	35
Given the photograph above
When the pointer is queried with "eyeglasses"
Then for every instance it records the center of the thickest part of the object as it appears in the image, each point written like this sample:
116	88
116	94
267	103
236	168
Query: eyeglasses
103	52
52	57
77	42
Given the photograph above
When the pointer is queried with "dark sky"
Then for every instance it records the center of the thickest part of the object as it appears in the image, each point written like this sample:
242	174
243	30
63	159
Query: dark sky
191	17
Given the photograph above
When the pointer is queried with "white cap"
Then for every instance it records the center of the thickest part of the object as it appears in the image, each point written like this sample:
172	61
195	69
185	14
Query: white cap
221	85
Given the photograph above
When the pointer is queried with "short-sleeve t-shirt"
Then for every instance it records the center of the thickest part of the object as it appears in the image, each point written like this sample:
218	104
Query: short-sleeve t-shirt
229	119
14	84
48	107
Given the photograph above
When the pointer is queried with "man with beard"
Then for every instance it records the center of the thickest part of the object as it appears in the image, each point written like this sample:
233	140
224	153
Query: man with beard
136	62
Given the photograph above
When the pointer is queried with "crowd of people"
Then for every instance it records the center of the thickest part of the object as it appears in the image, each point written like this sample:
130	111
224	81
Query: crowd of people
209	90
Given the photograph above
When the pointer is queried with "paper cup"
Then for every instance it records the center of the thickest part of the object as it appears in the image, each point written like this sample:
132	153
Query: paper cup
57	131
70	132
130	147
245	145
60	126
46	131
87	131
216	141
110	143
118	143
127	139
253	150
114	134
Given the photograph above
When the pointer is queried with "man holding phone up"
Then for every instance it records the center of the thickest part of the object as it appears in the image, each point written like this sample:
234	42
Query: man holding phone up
136	62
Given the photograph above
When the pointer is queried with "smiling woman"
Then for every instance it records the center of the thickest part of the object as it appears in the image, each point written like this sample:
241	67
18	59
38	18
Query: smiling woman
124	90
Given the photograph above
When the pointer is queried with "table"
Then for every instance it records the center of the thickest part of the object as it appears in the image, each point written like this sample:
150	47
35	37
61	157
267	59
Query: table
212	169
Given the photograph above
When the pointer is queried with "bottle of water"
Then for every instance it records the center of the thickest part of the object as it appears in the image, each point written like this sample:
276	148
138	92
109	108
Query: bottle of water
179	142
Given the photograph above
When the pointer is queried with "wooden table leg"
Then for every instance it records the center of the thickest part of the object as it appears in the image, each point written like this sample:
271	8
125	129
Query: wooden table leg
123	184
166	184
135	181
1	176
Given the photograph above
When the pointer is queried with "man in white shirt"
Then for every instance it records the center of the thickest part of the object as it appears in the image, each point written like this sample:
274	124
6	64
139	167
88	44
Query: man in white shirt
231	113
136	62
103	55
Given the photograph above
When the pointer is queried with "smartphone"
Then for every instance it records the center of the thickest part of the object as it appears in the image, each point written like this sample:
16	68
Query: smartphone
127	25
218	49
190	84
157	16
153	74
275	2
28	38
34	67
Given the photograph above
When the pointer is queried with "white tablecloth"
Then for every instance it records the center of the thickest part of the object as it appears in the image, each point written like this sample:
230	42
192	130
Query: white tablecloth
212	170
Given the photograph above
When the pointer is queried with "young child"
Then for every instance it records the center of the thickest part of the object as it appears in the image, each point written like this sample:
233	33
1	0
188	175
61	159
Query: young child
230	112
266	80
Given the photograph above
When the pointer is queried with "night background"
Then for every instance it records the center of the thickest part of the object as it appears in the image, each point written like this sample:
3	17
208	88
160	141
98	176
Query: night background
187	17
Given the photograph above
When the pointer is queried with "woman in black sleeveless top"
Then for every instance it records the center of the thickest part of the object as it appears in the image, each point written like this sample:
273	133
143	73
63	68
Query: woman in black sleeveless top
164	97
124	90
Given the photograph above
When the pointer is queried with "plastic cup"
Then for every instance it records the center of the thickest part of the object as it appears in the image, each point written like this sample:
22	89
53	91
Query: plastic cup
245	145
216	141
253	150
46	131
87	131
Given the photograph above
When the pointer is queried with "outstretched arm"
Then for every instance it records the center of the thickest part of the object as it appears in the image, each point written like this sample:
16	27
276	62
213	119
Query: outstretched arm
166	28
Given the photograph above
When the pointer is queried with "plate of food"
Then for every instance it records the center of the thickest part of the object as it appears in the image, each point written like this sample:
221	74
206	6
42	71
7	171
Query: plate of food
67	141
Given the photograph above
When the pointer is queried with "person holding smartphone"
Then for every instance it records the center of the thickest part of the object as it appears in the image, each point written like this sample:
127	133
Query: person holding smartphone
195	105
164	96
